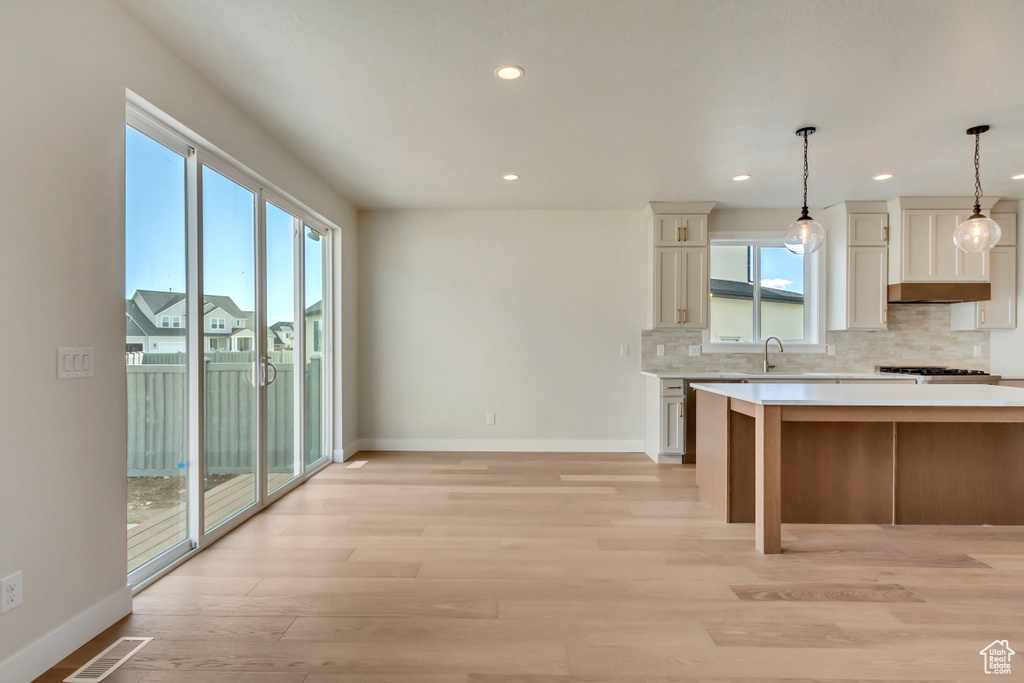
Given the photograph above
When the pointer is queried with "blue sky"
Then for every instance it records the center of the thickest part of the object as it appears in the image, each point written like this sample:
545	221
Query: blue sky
155	234
782	269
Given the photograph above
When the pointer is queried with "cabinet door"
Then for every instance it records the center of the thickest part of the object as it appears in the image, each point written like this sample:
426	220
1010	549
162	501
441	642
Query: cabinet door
680	230
867	288
929	254
917	247
673	424
694	292
1000	312
868	229
668	286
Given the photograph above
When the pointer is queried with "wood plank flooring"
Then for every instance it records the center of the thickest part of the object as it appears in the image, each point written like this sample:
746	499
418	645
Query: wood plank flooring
563	568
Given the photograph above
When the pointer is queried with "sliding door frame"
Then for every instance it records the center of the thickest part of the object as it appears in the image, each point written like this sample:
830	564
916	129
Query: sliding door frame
197	156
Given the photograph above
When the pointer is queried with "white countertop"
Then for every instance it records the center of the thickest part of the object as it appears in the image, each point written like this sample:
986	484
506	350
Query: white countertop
978	395
677	374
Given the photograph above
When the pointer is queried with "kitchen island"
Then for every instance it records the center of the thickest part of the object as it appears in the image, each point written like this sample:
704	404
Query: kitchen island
860	454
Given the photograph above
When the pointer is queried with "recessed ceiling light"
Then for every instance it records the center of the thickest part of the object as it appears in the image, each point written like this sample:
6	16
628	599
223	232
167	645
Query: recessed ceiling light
1019	176
510	177
883	176
509	73
741	176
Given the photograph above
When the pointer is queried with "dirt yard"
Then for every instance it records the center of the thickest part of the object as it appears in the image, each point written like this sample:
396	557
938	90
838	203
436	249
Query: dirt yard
150	496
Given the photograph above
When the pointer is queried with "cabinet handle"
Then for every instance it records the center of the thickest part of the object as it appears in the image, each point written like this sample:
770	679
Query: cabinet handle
678	311
885	315
885	233
983	316
684	316
680	409
684	233
674	387
678	238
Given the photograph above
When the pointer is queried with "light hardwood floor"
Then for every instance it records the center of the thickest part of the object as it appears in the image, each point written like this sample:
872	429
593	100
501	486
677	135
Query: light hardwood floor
559	568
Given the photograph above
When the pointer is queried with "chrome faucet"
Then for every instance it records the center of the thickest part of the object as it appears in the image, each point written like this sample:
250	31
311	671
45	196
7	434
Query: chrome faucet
768	366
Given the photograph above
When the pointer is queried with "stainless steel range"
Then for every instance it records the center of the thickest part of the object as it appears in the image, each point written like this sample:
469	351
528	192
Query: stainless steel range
932	374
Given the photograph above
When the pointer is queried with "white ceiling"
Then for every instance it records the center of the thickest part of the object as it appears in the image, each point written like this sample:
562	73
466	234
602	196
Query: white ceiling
395	103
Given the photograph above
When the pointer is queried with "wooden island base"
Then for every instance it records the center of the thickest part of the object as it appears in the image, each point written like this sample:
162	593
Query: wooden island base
858	464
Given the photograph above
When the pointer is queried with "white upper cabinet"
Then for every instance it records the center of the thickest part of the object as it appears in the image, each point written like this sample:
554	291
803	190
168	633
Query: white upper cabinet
868	291
680	230
868	230
858	266
680	287
677	257
999	312
921	247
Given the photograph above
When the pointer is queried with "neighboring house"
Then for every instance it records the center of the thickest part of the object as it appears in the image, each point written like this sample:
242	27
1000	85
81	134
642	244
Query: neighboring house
155	323
732	301
282	335
315	330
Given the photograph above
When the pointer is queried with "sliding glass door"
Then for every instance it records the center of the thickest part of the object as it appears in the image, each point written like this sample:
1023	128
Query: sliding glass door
315	342
282	302
227	346
155	327
230	322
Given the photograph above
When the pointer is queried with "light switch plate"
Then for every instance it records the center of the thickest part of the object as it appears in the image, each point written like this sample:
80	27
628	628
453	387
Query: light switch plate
490	419
694	349
661	349
830	349
74	362
977	350
624	350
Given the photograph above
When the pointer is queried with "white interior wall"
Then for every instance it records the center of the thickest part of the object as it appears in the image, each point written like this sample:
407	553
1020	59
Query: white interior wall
1008	345
517	313
62	456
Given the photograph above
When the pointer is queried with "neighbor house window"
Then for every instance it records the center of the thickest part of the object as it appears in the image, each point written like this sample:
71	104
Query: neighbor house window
239	323
165	321
757	291
176	321
217	323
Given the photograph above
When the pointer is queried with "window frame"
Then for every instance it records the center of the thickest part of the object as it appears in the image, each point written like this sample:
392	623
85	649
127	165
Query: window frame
814	297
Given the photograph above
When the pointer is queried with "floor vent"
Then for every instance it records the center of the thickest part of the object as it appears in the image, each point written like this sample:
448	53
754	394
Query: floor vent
103	664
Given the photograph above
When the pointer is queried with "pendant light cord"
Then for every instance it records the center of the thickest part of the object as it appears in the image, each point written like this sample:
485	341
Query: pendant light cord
977	173
804	214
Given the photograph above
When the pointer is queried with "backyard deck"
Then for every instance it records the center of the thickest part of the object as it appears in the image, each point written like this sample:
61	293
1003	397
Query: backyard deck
156	535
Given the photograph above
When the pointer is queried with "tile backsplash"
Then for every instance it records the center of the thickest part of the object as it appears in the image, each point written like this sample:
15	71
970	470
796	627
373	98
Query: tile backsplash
918	334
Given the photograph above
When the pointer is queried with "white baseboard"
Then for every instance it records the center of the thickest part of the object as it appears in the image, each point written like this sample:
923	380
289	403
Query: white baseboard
504	445
37	658
348	451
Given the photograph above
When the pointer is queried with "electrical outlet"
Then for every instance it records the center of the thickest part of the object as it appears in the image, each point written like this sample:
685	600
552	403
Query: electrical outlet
694	349
490	419
661	349
977	350
10	592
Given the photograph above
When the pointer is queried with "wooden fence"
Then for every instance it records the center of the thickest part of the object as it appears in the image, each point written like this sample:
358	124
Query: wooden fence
157	414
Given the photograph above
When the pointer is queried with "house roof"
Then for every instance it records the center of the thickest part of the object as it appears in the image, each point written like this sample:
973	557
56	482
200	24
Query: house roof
731	289
159	301
283	326
138	324
315	309
226	303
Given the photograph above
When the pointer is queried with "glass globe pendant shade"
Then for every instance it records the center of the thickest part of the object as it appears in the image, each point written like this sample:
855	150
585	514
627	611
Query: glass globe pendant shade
804	236
976	234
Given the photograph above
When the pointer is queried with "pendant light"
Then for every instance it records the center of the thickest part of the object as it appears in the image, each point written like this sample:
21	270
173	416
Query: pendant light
805	235
977	233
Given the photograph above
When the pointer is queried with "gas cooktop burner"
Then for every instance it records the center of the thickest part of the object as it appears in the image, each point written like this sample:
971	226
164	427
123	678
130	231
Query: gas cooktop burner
930	370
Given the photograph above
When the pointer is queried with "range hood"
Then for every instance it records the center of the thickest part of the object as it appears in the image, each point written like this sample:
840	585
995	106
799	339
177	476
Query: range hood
939	292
